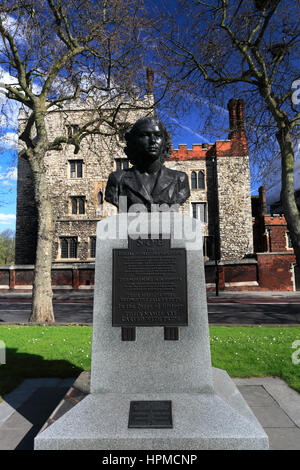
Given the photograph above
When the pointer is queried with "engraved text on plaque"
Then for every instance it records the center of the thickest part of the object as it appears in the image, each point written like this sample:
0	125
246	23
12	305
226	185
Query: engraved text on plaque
149	284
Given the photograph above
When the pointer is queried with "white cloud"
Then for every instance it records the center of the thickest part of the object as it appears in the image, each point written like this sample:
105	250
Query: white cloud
11	174
9	113
9	140
210	105
5	79
7	219
15	26
191	131
9	108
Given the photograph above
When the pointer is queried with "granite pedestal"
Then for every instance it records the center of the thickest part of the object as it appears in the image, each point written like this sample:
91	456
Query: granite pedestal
207	409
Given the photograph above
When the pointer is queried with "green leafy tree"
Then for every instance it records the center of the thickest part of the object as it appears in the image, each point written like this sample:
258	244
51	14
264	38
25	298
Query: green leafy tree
7	247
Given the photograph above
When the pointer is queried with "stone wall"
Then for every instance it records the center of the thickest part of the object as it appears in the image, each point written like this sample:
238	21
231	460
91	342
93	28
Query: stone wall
233	188
197	195
234	202
26	223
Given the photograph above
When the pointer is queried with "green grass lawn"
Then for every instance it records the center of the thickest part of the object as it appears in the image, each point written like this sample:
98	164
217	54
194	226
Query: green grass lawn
257	352
65	351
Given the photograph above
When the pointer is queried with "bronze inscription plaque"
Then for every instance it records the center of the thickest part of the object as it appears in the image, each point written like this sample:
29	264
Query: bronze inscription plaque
149	284
150	414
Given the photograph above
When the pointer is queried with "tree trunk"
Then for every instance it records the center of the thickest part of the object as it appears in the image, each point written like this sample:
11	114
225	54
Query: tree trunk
288	200
42	308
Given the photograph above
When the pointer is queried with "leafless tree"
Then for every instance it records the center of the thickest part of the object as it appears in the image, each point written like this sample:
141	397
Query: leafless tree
217	48
57	51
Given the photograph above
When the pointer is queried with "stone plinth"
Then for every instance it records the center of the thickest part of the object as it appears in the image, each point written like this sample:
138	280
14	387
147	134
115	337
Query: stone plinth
208	410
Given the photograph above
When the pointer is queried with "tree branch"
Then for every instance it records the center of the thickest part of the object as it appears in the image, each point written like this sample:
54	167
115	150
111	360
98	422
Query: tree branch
59	19
25	135
14	93
15	60
240	45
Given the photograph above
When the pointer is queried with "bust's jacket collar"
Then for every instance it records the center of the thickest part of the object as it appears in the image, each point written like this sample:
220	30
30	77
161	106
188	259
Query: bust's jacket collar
133	180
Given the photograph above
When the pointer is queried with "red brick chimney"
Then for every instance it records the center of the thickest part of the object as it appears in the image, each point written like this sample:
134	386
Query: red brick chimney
150	80
237	134
236	119
262	201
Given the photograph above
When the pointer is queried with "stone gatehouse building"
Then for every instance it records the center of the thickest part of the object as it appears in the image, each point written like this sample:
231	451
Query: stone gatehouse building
218	173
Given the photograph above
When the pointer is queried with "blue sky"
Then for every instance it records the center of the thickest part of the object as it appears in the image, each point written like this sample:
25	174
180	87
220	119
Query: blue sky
8	190
8	159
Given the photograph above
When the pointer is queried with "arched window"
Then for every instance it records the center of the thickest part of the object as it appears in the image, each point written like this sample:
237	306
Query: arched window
199	211
78	205
92	247
201	182
68	247
81	204
74	205
194	180
121	163
197	179
100	198
76	167
64	248
73	248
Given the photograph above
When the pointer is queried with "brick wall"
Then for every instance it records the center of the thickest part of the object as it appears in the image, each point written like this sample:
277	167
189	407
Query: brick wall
270	271
269	231
275	271
276	228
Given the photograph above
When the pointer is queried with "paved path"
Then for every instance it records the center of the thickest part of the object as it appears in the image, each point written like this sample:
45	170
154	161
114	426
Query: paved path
25	410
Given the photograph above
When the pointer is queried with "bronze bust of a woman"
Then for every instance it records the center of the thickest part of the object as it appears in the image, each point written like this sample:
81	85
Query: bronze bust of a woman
148	181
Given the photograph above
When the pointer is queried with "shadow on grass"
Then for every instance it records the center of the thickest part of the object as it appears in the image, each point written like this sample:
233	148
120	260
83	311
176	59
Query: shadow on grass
20	366
32	411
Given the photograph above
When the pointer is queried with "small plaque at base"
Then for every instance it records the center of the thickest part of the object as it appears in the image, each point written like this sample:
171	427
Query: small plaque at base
150	414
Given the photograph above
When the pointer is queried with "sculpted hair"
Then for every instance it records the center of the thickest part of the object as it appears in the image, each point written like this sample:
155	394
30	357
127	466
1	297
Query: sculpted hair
130	147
